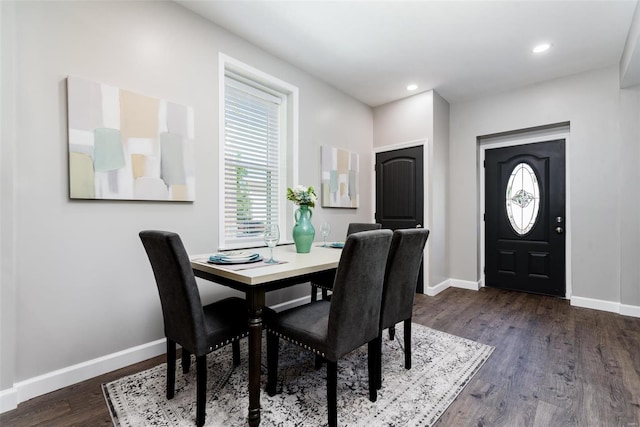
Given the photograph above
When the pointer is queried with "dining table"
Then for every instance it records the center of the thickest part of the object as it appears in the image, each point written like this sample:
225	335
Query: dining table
257	278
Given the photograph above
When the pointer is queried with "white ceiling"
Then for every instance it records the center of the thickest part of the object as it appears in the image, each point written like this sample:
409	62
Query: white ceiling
462	49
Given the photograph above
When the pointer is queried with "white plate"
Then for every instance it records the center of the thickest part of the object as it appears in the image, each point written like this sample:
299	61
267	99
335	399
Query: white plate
234	261
235	255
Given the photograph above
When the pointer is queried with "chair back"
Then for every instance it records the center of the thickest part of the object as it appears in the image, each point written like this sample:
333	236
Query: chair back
354	314
181	306
356	227
401	275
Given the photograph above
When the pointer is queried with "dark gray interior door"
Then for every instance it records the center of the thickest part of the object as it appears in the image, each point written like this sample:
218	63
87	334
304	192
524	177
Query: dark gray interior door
400	191
525	218
400	188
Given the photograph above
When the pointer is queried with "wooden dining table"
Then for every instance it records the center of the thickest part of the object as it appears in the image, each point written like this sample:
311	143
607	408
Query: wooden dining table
255	279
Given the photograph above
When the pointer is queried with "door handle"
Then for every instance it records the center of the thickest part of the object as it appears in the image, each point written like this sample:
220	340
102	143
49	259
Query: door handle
559	230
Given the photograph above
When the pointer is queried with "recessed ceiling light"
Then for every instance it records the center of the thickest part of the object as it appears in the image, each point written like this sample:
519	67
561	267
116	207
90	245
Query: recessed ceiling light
412	87
543	47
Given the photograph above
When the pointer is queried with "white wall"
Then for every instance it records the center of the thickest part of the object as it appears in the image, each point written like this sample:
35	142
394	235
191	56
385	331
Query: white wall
630	59
83	285
629	171
439	261
405	120
590	101
630	196
7	284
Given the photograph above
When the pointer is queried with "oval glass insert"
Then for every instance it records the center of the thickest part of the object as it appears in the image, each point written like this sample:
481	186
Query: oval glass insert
522	198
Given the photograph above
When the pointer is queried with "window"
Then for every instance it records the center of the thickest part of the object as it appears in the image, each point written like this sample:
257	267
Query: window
522	198
257	144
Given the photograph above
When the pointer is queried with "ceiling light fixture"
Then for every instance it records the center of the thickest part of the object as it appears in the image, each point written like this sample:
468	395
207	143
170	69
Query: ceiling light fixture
543	47
412	87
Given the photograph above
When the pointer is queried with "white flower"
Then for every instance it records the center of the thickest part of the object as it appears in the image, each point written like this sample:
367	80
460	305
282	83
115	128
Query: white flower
302	195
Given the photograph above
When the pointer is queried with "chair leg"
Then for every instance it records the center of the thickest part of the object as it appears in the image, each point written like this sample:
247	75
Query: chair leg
319	361
407	343
372	356
235	345
272	363
314	292
325	295
379	361
186	361
332	389
201	396
392	333
171	368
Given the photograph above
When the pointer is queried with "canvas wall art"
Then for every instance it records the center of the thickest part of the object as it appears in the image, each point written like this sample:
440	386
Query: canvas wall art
339	178
127	146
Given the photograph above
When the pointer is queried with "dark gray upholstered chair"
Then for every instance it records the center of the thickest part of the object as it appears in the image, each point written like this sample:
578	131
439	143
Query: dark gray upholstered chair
400	279
326	284
199	330
356	227
332	329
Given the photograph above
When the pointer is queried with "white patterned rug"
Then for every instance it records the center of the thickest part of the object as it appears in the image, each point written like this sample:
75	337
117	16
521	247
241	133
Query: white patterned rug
442	365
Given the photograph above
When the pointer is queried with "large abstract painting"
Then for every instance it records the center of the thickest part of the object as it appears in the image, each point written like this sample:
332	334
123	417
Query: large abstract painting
127	146
339	178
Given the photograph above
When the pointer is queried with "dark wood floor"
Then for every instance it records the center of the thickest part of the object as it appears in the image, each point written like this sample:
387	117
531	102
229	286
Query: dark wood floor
553	365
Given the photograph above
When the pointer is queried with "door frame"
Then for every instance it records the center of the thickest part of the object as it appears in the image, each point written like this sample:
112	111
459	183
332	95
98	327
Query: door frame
426	158
523	138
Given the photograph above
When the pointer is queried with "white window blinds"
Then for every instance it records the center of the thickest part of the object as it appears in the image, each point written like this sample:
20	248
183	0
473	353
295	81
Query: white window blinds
251	162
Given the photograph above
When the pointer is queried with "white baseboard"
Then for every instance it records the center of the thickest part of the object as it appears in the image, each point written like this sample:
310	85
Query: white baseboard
602	305
294	303
595	304
51	381
436	289
465	284
630	310
8	399
452	283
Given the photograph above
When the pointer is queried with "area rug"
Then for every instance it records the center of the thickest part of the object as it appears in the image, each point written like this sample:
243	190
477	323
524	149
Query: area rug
442	365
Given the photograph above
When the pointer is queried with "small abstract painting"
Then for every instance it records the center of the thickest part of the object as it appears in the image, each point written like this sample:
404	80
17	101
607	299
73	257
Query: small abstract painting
339	178
127	146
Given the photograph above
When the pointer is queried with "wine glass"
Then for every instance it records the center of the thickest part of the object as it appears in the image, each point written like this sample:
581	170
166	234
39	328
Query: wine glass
271	238
325	229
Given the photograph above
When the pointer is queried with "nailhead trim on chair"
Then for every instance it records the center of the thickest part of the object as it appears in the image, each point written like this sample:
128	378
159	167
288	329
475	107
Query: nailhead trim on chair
222	344
306	347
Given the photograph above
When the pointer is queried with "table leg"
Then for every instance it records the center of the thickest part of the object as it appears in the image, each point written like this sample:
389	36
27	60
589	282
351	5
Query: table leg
255	301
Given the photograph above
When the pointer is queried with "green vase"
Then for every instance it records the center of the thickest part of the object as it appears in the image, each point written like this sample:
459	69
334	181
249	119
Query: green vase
303	231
